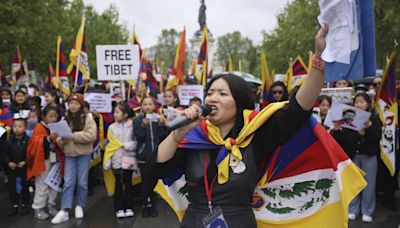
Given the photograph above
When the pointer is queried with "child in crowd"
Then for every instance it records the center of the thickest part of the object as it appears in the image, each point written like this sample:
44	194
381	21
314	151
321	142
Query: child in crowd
325	103
31	122
362	147
15	159
41	157
20	102
195	100
149	132
120	156
51	98
77	158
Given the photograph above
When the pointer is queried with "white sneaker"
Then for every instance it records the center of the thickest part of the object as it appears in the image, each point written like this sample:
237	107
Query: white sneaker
129	213
352	216
78	212
61	216
366	218
120	214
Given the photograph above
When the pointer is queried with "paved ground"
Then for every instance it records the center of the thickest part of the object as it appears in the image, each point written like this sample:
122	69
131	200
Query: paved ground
99	213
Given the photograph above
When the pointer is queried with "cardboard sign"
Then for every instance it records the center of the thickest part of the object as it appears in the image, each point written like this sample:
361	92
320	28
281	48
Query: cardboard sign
99	102
187	92
348	116
339	95
117	62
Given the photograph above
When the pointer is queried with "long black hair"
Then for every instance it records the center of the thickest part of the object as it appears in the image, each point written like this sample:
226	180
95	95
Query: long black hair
178	102
76	120
285	96
241	93
366	97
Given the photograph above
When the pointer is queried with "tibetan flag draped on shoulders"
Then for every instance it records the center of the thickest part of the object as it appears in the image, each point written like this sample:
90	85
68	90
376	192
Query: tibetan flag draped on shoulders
386	104
267	80
202	61
16	66
307	182
296	73
62	80
79	66
179	64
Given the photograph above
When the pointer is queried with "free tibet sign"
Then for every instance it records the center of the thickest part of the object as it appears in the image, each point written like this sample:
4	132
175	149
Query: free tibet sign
117	62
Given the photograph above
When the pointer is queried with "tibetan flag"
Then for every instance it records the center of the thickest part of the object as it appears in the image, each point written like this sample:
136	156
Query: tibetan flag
6	117
179	64
202	60
62	80
79	66
49	78
134	102
386	104
296	72
3	78
229	65
135	40
16	65
267	80
307	182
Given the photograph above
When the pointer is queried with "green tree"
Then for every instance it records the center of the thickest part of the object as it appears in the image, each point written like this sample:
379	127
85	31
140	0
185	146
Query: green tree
294	34
35	25
239	48
166	47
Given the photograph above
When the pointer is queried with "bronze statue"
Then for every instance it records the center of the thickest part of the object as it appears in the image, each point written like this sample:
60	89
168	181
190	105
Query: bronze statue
202	15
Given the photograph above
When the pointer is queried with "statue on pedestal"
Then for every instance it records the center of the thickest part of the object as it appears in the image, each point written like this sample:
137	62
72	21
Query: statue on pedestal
202	15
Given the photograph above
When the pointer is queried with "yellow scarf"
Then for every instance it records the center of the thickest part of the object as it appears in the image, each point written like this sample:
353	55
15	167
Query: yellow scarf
244	138
113	146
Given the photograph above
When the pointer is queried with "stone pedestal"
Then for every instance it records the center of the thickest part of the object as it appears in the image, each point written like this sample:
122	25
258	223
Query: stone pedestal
195	47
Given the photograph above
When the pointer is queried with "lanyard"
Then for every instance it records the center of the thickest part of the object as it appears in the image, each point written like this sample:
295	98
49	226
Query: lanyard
208	189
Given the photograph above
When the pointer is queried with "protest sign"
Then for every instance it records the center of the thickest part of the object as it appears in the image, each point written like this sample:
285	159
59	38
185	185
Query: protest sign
53	178
117	92
99	102
186	92
339	95
348	116
117	62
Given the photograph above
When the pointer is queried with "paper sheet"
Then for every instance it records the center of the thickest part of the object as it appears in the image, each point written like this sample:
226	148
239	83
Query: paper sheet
62	129
340	15
349	116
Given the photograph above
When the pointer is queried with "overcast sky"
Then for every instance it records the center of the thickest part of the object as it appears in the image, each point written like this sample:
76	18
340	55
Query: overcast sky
149	17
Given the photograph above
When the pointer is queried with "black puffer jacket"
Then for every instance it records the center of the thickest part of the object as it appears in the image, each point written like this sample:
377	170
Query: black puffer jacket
15	150
353	143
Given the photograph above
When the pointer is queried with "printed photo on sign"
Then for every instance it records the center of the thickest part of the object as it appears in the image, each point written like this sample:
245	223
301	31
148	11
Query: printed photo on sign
339	95
348	116
316	113
117	93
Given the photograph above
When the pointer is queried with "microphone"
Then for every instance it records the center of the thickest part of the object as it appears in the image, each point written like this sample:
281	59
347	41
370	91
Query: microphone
183	120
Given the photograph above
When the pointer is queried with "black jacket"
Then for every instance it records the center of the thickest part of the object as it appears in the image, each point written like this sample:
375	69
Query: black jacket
147	138
353	143
15	150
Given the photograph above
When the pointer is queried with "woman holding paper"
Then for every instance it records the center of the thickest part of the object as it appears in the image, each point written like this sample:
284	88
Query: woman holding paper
362	147
77	158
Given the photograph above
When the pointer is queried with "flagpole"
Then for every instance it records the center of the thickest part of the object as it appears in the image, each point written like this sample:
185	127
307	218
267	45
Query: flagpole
77	70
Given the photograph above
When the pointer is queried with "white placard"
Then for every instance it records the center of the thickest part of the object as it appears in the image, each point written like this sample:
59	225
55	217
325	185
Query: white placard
116	91
99	102
42	101
53	178
2	131
62	129
348	116
339	95
117	62
31	92
186	92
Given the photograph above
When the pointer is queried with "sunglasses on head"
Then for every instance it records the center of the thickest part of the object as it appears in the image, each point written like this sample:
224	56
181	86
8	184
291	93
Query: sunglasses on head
277	91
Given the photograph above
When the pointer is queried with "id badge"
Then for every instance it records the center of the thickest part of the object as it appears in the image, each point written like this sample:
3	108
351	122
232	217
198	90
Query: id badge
215	219
52	157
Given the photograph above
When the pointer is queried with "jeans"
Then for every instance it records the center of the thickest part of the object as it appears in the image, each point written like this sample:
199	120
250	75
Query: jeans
366	199
76	172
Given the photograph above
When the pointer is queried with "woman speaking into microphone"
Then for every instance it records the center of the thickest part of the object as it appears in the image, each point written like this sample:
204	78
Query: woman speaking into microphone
221	183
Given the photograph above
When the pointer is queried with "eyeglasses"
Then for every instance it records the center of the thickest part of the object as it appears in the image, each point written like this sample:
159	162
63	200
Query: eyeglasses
277	91
376	84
